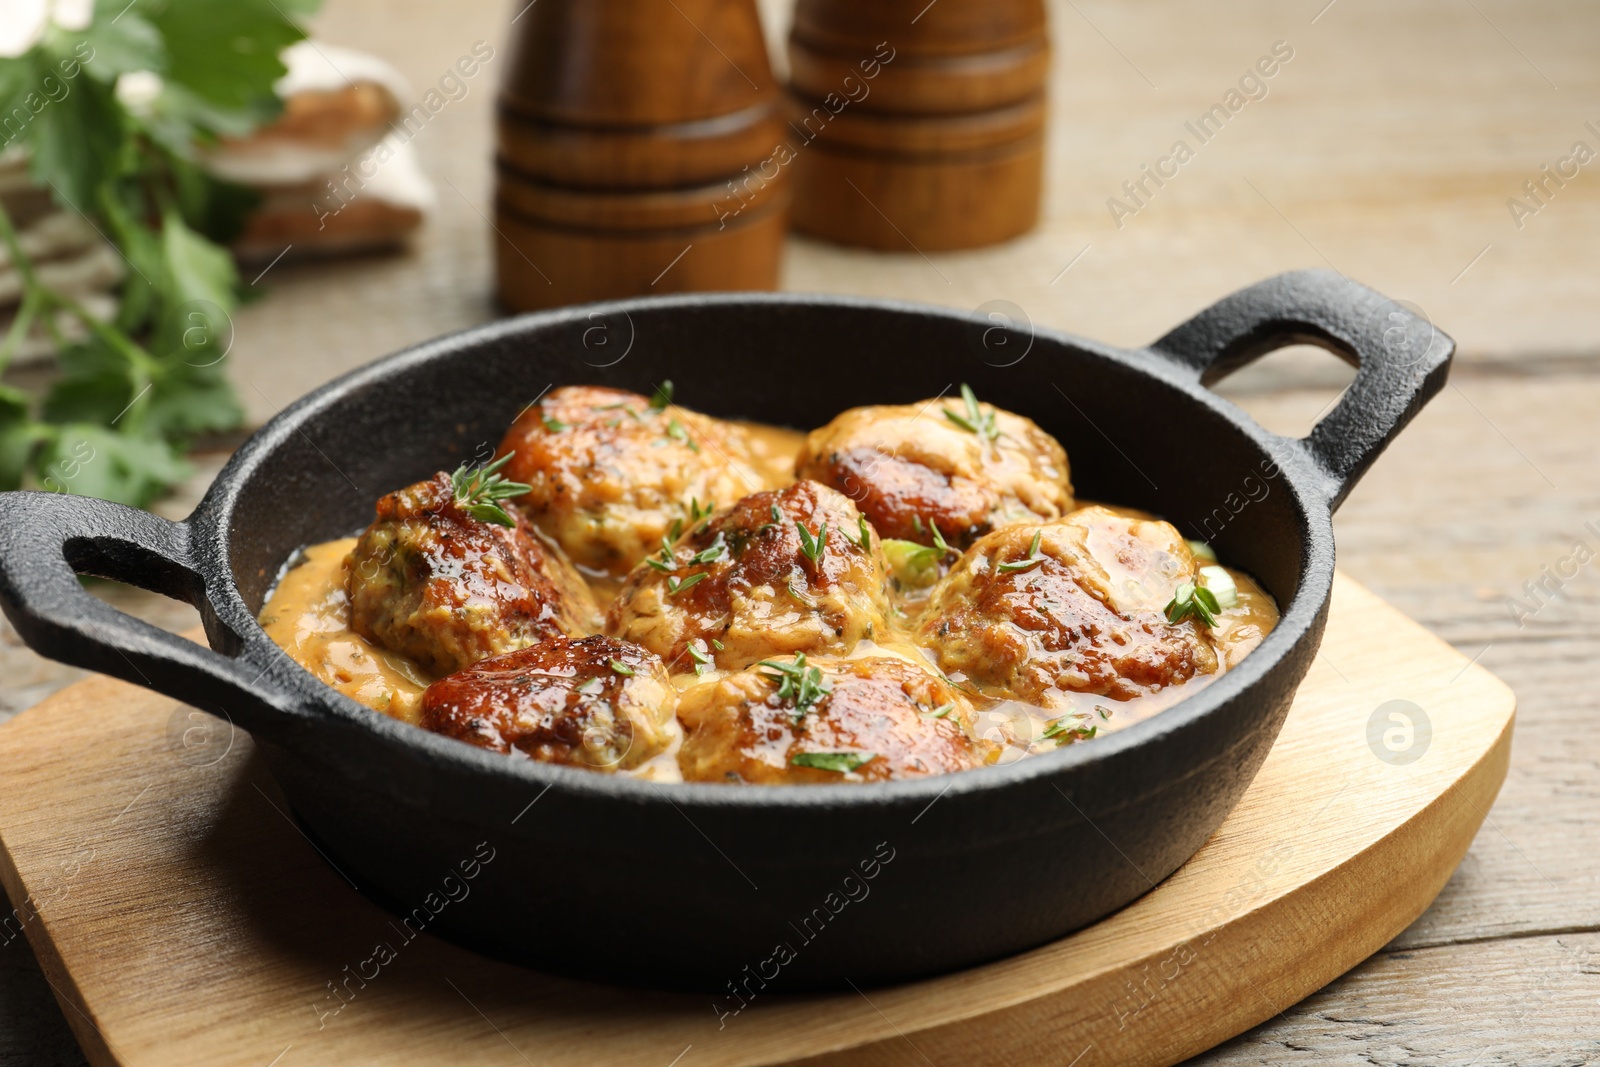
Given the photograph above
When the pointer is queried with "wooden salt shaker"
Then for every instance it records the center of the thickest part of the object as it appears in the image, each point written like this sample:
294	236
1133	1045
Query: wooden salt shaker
635	153
919	126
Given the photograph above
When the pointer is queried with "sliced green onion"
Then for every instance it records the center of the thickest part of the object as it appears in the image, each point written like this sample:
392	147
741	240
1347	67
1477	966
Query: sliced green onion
1221	584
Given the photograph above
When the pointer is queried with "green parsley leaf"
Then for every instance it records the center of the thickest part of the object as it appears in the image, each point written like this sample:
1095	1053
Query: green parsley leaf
662	396
622	668
137	388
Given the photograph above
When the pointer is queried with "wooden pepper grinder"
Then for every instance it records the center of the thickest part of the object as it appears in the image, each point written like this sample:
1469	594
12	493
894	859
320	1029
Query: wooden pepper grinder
635	152
922	125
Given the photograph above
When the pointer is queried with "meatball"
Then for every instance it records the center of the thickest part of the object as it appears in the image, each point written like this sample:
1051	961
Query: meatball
595	702
958	465
610	472
1040	612
434	583
747	584
805	721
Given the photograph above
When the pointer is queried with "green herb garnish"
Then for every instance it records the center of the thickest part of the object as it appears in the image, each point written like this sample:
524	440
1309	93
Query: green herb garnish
813	545
702	660
662	396
942	710
975	420
138	384
696	514
676	586
1032	559
1067	729
798	682
864	534
666	560
711	553
801	597
479	491
676	431
915	565
554	425
716	644
839	762
622	668
1193	600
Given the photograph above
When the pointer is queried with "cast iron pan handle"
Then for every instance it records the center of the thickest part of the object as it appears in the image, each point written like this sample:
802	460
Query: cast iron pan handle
1401	359
48	539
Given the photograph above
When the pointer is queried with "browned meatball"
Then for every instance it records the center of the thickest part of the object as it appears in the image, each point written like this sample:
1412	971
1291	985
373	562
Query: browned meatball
1038	613
596	702
805	721
742	587
962	466
610	474
431	582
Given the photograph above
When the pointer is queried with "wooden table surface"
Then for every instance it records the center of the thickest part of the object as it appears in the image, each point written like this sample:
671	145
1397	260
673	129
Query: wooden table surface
1388	148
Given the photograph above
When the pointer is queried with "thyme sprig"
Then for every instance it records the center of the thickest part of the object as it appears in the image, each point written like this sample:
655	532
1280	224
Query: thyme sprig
813	545
665	561
712	552
1032	559
1067	729
676	585
1193	601
839	762
799	682
863	539
479	490
976	420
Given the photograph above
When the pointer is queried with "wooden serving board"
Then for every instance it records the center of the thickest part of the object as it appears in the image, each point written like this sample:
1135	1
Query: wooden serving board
183	918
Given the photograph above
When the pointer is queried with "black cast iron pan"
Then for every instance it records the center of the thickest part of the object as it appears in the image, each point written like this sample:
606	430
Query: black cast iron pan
706	885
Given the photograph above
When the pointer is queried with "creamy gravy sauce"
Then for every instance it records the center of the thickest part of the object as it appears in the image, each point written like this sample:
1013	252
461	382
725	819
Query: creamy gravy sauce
308	616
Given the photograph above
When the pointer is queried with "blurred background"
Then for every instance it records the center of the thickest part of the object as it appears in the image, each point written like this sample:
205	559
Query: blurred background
1440	151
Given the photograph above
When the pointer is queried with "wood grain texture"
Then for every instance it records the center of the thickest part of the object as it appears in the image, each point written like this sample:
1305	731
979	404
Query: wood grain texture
184	919
625	135
1532	1002
947	152
1391	142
